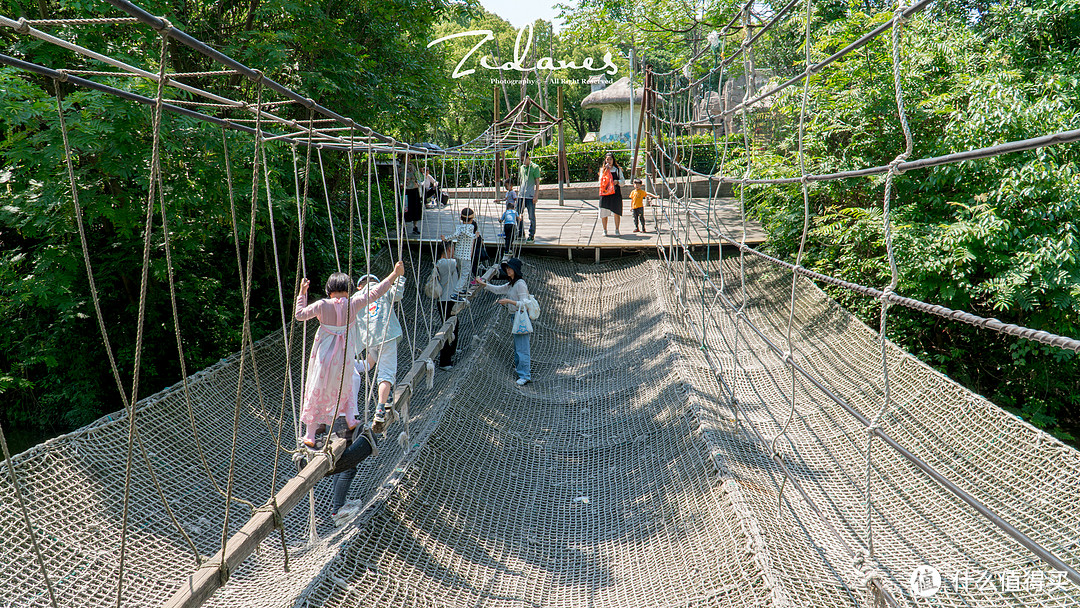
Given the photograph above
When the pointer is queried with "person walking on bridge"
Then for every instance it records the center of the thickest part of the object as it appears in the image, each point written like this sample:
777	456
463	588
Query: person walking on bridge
514	295
611	199
528	192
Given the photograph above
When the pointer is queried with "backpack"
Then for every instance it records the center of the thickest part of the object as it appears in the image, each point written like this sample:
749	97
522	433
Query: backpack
532	306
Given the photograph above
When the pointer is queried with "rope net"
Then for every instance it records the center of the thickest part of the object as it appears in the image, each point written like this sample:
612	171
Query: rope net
648	463
619	477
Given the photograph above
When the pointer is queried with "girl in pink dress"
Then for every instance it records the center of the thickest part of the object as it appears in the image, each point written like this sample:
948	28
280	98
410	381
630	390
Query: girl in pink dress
328	386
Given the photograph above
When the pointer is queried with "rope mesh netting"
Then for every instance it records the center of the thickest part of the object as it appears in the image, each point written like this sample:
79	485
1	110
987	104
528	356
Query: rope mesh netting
618	477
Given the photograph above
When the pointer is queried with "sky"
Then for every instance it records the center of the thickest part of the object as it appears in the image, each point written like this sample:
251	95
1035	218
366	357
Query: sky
521	12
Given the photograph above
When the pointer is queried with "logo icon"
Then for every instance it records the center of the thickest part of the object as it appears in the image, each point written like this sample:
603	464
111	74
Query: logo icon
925	581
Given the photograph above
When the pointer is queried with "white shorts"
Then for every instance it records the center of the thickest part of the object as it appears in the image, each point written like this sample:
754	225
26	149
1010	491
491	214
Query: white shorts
606	212
386	366
385	371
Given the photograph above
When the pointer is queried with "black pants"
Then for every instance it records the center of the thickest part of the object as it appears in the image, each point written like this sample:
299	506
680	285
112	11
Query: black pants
508	230
446	355
639	214
357	449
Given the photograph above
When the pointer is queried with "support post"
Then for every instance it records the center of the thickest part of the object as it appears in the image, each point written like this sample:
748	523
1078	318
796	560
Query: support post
495	134
560	162
640	124
650	169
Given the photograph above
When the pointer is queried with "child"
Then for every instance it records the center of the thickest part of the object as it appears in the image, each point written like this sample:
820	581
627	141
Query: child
511	195
328	389
446	270
464	237
637	204
510	222
377	330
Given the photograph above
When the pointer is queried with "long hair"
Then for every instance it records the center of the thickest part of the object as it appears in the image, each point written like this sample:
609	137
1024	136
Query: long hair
614	163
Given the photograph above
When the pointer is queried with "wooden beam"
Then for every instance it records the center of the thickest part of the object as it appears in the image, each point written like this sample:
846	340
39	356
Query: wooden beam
560	160
201	585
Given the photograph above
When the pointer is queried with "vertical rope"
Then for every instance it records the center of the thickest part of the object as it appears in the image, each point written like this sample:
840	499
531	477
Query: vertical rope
246	328
894	278
155	167
26	513
804	187
329	215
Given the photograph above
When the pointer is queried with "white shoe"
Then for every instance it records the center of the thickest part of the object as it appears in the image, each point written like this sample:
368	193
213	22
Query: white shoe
605	232
522	381
616	232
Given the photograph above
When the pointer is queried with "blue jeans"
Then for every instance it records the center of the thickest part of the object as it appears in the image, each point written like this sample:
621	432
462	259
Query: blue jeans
530	204
521	356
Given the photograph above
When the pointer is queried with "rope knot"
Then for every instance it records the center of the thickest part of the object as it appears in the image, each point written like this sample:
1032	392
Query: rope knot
894	166
871	575
23	27
271	507
788	358
64	76
886	296
309	103
804	180
165	26
258	76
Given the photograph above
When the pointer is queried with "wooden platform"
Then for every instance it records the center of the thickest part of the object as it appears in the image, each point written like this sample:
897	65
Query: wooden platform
576	225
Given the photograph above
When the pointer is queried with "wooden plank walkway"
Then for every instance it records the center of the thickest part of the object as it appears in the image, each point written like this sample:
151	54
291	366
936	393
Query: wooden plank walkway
576	225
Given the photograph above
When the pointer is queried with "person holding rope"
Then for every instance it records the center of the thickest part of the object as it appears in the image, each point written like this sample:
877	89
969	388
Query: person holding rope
377	331
514	295
446	275
328	389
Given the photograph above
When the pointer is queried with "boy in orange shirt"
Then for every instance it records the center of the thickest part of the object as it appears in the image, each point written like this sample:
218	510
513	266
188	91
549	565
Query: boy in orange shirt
637	204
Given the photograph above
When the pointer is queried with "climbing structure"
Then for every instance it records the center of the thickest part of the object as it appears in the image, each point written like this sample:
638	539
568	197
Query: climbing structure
699	432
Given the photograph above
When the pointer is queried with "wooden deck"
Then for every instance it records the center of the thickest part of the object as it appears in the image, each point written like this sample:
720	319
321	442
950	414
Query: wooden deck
576	225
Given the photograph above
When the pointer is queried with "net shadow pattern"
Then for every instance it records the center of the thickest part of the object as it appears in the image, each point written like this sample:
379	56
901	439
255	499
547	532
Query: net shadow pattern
1024	475
618	477
590	486
75	483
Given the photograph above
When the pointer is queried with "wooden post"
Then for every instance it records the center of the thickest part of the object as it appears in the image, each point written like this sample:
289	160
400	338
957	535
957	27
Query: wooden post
650	170
560	161
495	134
640	123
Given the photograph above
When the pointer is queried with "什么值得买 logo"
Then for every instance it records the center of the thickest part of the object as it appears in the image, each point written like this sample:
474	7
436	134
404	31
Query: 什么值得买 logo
544	63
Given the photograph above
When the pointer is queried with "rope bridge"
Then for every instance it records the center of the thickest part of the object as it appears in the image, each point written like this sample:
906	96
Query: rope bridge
698	432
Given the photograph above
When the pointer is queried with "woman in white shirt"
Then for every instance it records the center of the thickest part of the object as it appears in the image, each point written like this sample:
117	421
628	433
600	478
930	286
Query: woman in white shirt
514	294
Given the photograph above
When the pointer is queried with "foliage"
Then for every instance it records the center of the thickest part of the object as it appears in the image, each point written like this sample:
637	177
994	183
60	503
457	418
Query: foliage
366	60
997	237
